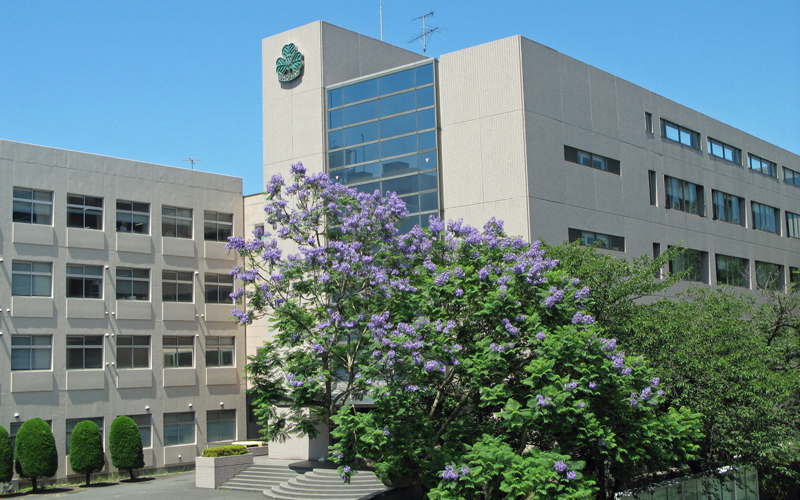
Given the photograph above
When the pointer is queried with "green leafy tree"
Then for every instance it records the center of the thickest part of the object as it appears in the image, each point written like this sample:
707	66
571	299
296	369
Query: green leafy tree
125	445
467	344
86	449
6	457
36	454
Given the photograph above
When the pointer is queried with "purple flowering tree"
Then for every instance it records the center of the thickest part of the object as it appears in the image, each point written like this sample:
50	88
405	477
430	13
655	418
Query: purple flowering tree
484	374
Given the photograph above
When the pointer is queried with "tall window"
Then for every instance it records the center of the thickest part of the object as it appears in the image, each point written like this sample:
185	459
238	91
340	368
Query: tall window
133	284
648	122
765	218
728	208
72	422
84	282
178	428
176	222
84	352
221	425
732	271
683	135
177	286
218	226
220	351
684	196
792	225
691	262
31	279
33	206
31	352
791	177
591	160
144	422
763	166
219	288
769	276
651	180
84	211
600	240
724	151
178	352
133	217
133	351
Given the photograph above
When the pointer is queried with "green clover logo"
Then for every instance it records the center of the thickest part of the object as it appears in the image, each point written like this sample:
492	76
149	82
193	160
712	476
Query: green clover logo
288	67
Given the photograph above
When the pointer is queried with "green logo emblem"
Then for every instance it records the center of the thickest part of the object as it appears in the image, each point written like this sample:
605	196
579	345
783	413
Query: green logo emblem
288	67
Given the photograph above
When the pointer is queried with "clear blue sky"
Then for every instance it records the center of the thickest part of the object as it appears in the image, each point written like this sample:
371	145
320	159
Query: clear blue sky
157	81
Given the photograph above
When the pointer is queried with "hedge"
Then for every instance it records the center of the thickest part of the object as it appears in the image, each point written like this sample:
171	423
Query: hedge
6	457
225	451
86	449
125	445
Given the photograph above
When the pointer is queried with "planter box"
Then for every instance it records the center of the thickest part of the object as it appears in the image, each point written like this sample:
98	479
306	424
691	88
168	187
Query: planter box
213	472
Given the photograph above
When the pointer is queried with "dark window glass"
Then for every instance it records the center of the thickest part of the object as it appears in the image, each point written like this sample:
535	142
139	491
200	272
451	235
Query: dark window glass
177	286
731	271
178	352
426	119
32	206
425	97
792	225
360	91
398	125
133	284
84	211
335	139
600	240
765	218
31	279
400	146
218	288
133	217
724	151
684	196
360	154
396	82
791	177
763	166
178	428
402	185
335	159
220	351
680	134
176	222
651	179
335	118
221	425
133	351
399	166
429	201
84	352
334	98
769	276
366	132
428	181
84	282
427	161
648	122
412	203
31	352
728	208
690	261
217	226
360	112
353	175
424	75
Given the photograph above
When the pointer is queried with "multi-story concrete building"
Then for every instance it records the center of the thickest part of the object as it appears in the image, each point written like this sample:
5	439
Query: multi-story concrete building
114	296
556	148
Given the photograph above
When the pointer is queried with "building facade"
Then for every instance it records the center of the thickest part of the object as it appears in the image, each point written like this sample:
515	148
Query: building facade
115	300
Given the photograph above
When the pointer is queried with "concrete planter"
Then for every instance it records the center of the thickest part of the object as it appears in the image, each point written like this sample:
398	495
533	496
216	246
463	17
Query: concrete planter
213	472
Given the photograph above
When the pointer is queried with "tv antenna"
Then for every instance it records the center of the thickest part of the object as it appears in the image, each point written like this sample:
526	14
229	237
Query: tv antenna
193	161
427	32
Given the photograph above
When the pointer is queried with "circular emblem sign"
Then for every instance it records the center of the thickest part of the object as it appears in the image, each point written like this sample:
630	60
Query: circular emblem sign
288	67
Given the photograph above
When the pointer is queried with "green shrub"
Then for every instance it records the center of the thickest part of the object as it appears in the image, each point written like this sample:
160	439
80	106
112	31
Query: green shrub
225	451
86	449
125	445
36	454
6	457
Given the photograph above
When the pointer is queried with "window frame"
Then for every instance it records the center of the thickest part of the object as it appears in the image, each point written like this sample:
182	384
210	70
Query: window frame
727	204
133	212
615	243
745	270
181	426
83	278
30	274
792	225
218	226
591	160
83	347
678	201
694	137
795	177
175	355
219	287
139	420
132	279
18	201
174	220
761	217
215	344
694	264
772	167
736	153
648	122
74	422
31	347
177	293
82	209
135	344
777	281
218	418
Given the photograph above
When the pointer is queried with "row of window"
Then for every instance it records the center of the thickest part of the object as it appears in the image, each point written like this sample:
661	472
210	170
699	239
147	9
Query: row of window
179	428
689	197
732	271
34	279
687	137
35	206
85	352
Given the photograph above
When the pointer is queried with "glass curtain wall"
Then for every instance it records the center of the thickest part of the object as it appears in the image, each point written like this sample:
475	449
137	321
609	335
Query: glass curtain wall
382	136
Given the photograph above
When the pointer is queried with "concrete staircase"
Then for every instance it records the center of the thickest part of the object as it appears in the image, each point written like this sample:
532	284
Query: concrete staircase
325	484
261	477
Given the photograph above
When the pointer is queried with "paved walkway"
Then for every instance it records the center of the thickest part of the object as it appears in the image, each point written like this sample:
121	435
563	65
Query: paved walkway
172	487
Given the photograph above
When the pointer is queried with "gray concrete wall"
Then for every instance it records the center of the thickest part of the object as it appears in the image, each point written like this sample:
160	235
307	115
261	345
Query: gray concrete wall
59	394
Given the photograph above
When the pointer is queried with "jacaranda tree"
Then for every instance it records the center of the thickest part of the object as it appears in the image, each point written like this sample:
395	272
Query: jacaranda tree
485	376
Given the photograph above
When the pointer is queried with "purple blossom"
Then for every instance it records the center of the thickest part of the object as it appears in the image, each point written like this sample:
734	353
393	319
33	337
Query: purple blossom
560	466
386	431
464	470
435	224
571	475
592	385
318	348
483	274
555	297
543	401
582	294
496	347
570	386
581	405
442	279
299	169
579	317
449	472
646	393
411	388
541	336
660	392
655	381
459	292
235	243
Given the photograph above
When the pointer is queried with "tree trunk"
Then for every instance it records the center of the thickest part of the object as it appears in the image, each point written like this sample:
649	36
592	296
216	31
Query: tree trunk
33	479
130	471
88	478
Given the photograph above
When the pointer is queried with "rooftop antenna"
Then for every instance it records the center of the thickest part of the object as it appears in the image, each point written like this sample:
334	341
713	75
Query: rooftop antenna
193	161
426	32
381	20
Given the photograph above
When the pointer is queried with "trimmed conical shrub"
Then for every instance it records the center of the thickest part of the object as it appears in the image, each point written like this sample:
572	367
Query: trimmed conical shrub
86	449
6	457
36	453
125	444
